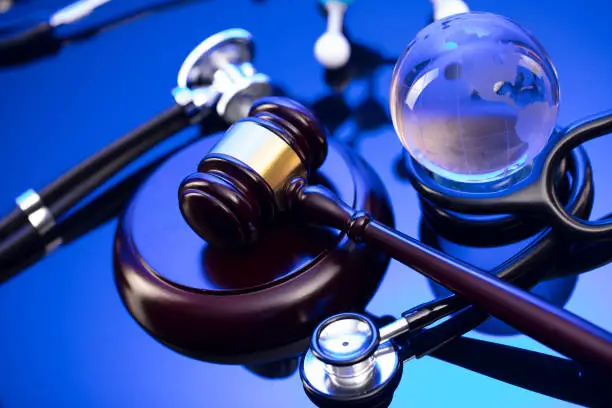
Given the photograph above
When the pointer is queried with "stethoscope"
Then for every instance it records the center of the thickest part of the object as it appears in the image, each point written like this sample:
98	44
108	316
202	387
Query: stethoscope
39	40
352	361
217	76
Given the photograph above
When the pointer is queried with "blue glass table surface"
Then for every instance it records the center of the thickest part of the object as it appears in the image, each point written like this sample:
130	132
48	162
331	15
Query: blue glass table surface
66	339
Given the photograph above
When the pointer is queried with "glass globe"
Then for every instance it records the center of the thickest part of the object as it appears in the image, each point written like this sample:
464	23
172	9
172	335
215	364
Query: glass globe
474	98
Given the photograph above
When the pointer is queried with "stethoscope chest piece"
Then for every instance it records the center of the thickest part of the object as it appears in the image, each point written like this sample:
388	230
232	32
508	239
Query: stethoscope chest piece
347	365
220	70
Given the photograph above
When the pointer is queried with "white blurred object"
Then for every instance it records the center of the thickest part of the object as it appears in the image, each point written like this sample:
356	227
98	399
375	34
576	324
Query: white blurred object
332	49
5	5
445	8
75	11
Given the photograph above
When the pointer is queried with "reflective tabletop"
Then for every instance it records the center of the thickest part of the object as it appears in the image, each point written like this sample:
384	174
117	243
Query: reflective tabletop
66	339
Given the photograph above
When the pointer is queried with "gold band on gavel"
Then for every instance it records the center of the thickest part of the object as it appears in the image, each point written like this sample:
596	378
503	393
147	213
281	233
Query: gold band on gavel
264	152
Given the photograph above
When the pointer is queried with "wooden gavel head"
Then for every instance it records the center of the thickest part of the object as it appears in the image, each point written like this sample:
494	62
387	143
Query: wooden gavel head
240	183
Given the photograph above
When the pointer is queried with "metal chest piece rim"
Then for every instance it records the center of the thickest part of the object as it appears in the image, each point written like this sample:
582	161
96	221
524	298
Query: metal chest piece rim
219	71
347	366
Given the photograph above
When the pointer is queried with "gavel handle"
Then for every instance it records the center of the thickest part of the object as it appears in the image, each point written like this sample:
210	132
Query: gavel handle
554	327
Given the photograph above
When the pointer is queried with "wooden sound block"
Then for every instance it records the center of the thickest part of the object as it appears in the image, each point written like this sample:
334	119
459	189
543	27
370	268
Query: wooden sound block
261	303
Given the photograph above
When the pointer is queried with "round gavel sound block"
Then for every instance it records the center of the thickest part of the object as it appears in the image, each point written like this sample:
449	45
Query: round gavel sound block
254	304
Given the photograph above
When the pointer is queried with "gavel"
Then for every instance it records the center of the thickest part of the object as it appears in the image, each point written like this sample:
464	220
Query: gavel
261	168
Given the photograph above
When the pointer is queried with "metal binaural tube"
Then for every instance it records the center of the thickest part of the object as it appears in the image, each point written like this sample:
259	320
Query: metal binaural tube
394	329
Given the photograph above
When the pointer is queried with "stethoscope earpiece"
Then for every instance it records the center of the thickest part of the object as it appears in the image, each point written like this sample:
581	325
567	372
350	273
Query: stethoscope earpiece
220	70
348	365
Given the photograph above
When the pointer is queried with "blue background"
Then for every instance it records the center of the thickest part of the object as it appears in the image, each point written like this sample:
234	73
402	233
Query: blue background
66	339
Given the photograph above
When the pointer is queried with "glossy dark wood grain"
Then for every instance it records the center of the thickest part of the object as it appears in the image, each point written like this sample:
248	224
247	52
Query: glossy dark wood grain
242	306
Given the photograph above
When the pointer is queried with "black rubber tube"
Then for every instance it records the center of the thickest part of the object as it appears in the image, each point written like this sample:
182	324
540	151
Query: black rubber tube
118	154
524	269
71	187
34	43
26	246
11	223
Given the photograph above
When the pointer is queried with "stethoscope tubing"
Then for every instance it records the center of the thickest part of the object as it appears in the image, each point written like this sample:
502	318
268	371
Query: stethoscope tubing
74	185
106	205
35	42
555	327
62	193
20	237
577	190
525	269
574	183
536	194
576	134
42	40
